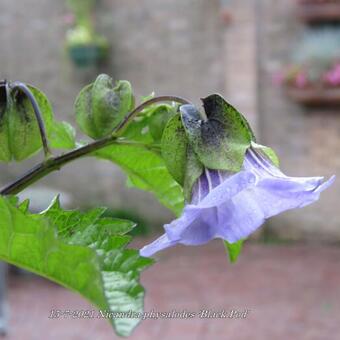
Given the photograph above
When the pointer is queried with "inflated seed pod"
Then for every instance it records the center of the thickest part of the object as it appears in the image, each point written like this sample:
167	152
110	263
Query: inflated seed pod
101	106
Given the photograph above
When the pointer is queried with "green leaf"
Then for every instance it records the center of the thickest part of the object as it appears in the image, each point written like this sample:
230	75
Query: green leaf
179	156
147	171
143	99
81	251
269	152
220	139
139	130
174	148
234	249
159	117
100	106
61	135
193	171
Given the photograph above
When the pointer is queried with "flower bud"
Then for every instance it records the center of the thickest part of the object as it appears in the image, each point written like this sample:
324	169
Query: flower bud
100	106
20	136
5	154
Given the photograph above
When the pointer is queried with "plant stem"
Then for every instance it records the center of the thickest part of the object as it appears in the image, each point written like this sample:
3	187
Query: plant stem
56	163
128	118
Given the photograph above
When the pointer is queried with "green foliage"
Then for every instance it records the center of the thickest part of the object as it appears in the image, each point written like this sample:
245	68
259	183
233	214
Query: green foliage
141	228
160	116
19	132
221	140
233	249
81	251
100	106
179	156
146	170
85	46
174	148
81	36
143	164
160	150
269	152
193	171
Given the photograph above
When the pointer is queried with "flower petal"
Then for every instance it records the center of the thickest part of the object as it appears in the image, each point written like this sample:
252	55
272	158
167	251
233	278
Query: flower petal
159	244
193	227
248	210
280	194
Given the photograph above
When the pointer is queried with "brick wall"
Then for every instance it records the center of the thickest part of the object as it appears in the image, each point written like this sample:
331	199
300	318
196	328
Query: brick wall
307	140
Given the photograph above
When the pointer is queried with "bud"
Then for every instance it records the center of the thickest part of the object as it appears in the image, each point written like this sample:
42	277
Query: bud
24	134
100	106
220	137
179	156
5	154
20	136
27	123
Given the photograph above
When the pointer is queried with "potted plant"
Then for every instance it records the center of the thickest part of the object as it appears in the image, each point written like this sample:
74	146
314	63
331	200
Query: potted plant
84	45
302	86
313	77
316	11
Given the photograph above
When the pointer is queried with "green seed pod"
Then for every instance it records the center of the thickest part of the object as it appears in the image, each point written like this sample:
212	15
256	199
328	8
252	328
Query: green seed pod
25	138
5	154
20	135
100	106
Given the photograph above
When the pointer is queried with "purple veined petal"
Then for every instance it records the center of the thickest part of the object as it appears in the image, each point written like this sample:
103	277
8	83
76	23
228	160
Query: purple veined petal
325	185
194	227
159	244
190	227
260	165
251	207
232	206
229	188
278	195
238	218
209	180
200	189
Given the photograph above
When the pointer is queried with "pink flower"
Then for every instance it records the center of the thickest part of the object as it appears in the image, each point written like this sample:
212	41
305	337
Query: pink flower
301	80
278	78
332	77
69	19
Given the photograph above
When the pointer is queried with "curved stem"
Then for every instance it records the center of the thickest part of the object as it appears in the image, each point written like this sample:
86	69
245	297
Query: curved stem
24	88
120	128
55	163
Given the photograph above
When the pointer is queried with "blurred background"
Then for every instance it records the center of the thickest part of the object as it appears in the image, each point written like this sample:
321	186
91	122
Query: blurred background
278	62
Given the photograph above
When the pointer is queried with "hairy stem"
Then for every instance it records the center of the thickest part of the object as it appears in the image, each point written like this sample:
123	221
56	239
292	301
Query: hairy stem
56	163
